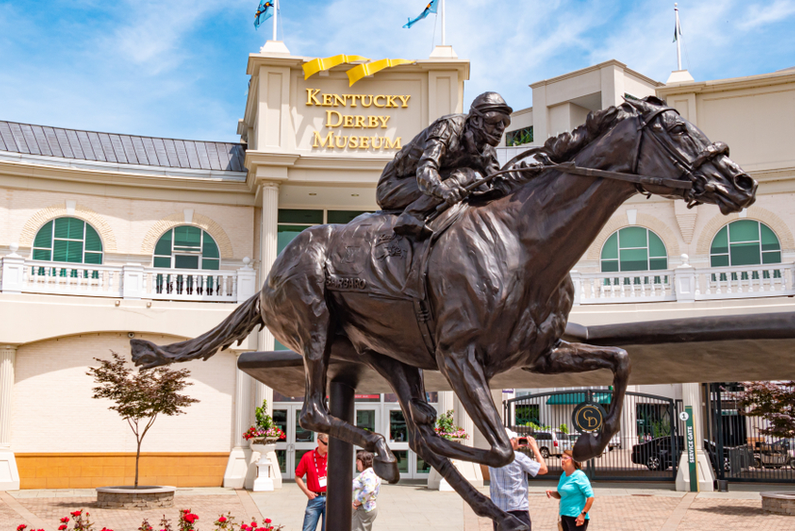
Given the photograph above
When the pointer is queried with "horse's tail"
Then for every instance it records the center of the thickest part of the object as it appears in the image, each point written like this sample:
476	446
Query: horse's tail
236	327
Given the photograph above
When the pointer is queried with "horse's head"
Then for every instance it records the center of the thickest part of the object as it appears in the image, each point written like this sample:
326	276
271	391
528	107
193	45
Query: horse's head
672	147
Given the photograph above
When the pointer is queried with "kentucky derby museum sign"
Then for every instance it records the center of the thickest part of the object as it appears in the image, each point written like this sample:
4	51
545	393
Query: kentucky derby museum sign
339	120
354	115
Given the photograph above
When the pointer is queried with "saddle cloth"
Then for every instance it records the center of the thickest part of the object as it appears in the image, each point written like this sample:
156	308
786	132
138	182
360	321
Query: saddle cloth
366	256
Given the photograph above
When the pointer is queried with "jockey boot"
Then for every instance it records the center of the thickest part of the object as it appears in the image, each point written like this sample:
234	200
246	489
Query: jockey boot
409	225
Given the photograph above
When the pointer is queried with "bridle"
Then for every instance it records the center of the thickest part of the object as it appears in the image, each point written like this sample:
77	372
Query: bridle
683	184
688	168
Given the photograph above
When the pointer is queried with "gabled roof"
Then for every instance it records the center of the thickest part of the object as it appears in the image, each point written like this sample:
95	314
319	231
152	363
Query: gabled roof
121	149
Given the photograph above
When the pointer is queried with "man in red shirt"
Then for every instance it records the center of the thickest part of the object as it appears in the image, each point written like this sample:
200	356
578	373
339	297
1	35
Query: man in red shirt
313	466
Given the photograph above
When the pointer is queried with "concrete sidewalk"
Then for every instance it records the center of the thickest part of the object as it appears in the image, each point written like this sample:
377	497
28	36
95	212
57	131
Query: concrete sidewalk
618	507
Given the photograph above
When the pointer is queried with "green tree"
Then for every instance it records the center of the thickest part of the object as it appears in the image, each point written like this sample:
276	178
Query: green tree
774	402
140	397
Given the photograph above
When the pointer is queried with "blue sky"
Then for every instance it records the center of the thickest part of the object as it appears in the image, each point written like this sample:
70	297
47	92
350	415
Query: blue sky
176	68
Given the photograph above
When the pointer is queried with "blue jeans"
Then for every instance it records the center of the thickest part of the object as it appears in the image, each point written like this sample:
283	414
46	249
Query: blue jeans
314	510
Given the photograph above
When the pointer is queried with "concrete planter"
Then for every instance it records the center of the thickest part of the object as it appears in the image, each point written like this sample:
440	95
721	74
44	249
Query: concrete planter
146	497
266	464
778	503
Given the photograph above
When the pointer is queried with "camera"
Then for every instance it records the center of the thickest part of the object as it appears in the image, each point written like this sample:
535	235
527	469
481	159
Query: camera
522	441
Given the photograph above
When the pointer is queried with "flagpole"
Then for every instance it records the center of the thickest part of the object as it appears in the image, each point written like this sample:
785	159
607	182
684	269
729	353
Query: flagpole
275	14
443	41
676	34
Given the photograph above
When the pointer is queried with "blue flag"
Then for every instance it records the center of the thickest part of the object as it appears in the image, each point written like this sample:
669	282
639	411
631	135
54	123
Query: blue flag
430	8
264	12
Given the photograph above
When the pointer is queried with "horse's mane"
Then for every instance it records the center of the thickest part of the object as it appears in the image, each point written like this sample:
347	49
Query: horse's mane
564	146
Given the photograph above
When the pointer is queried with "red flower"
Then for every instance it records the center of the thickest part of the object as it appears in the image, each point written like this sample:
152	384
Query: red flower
20	527
76	513
267	520
190	518
222	519
65	520
62	527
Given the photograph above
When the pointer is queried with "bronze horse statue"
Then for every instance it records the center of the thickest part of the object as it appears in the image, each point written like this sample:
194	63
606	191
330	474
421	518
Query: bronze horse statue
498	289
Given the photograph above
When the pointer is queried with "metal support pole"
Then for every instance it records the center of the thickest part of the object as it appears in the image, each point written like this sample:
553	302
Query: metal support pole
340	462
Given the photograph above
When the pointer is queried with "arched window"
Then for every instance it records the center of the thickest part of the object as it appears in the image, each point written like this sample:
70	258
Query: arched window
745	242
68	240
633	249
187	247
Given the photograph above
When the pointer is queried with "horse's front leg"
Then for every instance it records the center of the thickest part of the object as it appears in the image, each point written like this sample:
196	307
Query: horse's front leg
578	357
315	416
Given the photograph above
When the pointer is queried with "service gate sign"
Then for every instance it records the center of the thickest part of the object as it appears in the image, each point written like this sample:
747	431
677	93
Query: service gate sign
690	442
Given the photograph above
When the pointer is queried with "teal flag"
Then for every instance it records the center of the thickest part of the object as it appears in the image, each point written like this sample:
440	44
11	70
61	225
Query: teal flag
264	12
430	8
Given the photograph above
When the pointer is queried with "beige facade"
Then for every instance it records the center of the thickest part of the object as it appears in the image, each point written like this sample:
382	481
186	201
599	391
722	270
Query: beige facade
300	156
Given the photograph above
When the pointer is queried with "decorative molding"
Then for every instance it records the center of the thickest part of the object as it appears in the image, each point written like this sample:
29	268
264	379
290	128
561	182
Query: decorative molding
686	219
174	220
755	213
646	221
40	218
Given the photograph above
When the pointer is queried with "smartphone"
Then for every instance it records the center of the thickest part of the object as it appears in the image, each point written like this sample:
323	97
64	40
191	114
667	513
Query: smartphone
523	440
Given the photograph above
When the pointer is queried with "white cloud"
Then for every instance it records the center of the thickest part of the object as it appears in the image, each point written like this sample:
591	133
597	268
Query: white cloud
762	14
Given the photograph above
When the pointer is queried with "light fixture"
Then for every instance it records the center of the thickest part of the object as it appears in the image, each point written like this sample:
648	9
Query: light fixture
354	195
312	193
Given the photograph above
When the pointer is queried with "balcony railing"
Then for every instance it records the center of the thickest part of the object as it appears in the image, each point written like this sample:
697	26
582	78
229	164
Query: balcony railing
131	281
685	284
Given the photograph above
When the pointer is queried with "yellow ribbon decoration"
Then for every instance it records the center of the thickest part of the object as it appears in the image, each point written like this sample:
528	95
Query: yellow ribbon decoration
319	65
368	69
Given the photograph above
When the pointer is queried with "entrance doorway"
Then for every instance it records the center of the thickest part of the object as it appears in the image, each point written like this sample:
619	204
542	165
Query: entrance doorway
297	442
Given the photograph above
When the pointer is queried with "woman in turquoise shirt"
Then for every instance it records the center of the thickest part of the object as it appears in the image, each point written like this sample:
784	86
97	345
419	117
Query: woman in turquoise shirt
575	495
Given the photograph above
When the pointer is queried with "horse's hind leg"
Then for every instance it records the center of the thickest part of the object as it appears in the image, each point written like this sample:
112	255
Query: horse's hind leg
578	357
420	417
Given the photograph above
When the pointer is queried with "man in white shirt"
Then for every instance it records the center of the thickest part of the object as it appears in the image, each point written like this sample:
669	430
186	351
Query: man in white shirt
508	484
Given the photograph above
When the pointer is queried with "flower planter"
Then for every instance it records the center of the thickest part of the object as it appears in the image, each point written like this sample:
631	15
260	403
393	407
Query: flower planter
265	471
143	497
469	470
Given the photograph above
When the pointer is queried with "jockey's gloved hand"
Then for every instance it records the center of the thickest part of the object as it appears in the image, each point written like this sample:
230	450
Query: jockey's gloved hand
451	192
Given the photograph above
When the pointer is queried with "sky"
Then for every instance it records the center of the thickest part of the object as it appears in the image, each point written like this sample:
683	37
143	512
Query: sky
177	68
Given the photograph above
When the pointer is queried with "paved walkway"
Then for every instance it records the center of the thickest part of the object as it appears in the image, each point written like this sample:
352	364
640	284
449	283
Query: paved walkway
618	507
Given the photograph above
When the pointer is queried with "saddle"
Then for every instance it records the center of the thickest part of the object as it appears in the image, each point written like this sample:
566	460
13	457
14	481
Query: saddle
367	256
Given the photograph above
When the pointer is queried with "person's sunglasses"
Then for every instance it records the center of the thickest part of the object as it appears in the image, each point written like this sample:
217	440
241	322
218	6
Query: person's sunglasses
322	441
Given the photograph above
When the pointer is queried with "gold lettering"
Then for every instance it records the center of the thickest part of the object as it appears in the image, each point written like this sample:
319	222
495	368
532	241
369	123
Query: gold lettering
353	142
360	121
375	101
388	144
340	100
367	96
321	142
310	96
372	121
348	120
337	141
384	120
328	119
380	141
390	101
353	99
405	100
364	142
328	100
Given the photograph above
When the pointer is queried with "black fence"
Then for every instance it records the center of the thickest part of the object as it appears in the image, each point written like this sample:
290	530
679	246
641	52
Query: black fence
735	439
647	447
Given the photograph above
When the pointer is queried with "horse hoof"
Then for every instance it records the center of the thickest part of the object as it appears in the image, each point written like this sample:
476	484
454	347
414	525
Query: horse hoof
511	523
386	470
588	446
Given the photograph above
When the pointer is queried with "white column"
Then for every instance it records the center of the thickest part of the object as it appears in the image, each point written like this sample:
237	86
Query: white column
13	277
268	252
237	467
9	475
691	396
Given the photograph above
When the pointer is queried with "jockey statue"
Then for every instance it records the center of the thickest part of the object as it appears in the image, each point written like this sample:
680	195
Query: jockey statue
454	151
